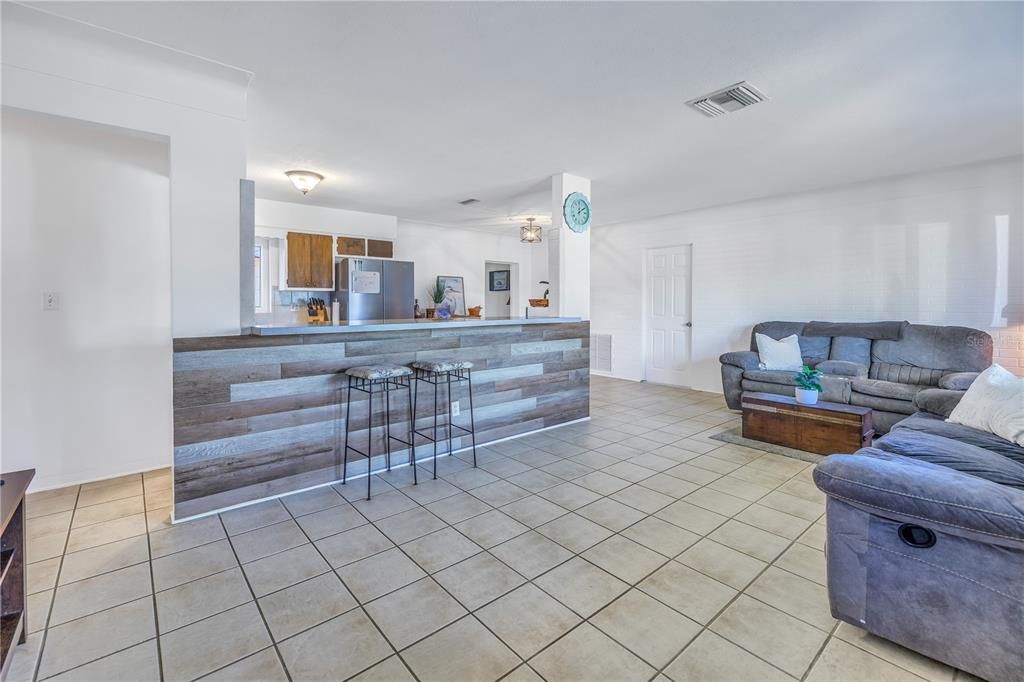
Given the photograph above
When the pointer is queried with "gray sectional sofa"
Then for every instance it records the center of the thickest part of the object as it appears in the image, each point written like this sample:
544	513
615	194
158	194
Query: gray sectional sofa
925	540
881	365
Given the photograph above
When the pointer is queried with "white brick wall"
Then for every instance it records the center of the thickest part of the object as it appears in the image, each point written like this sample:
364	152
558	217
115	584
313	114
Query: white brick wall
937	248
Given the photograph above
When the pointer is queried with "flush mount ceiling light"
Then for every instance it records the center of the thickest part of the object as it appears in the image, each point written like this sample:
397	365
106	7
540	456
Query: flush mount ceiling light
304	180
530	233
727	100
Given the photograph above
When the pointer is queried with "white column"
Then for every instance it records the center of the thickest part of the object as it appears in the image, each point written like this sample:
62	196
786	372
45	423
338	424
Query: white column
568	253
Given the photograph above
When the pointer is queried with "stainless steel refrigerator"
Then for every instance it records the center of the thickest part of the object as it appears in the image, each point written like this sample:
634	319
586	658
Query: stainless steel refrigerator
369	289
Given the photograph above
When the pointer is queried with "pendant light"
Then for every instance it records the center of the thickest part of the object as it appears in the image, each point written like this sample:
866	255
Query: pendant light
530	233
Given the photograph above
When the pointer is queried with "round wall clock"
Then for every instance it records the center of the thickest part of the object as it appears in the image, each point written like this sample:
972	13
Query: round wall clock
577	212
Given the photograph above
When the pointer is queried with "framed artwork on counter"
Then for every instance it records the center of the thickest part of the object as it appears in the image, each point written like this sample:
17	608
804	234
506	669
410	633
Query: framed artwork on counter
454	288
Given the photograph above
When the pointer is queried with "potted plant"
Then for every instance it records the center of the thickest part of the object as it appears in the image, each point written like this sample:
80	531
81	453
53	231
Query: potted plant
807	385
436	294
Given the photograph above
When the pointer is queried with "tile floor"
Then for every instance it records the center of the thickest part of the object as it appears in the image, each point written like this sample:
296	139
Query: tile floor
629	547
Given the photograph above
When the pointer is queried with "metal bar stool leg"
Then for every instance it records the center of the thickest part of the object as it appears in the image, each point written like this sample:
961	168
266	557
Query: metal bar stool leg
448	378
435	427
348	421
369	440
472	424
387	423
412	434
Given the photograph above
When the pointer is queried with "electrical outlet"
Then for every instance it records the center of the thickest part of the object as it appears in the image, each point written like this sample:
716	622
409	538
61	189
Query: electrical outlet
51	300
455	408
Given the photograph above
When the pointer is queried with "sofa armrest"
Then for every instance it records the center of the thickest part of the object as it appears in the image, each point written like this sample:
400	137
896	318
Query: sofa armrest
843	368
938	401
745	359
926	494
958	381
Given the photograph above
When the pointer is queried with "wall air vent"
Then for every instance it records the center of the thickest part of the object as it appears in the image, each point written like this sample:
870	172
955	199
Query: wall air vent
727	100
601	353
469	202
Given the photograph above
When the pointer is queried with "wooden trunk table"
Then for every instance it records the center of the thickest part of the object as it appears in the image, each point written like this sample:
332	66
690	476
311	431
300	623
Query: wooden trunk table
824	428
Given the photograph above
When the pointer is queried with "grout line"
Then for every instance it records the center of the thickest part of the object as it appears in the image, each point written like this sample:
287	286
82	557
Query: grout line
152	588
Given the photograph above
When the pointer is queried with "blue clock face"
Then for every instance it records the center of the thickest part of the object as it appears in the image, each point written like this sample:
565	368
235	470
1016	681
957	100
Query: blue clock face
577	212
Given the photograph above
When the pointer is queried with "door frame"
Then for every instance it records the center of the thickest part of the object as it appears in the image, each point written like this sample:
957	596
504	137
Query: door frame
514	284
645	298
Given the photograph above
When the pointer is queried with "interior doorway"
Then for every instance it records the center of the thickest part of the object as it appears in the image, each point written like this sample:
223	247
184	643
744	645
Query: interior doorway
501	288
668	326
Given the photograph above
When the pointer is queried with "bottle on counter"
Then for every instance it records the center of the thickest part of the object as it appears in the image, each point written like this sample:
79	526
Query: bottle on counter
335	311
416	310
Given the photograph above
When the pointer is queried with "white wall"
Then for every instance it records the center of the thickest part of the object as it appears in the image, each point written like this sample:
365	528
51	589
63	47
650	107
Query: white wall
86	213
568	253
276	218
438	250
65	68
941	248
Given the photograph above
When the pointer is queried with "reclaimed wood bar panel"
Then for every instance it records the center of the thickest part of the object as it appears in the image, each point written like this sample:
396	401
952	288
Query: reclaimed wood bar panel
258	416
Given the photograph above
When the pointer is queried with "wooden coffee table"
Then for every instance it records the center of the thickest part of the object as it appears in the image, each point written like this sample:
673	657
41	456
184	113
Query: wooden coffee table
825	428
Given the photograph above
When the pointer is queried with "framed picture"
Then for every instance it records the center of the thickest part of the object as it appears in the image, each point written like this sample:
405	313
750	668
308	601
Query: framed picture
499	280
454	293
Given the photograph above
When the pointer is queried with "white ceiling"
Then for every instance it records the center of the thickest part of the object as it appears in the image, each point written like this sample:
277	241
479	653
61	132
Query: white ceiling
409	107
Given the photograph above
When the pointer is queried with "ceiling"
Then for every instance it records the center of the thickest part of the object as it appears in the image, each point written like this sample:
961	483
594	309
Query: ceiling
408	108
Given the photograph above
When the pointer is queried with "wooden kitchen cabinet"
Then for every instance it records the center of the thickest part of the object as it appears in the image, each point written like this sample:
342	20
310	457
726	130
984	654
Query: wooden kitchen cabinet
310	261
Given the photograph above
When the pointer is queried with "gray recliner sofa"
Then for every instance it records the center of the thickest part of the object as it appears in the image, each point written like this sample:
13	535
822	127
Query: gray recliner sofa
925	540
881	365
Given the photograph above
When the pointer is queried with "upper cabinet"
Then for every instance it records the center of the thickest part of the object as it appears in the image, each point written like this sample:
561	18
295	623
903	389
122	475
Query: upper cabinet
310	261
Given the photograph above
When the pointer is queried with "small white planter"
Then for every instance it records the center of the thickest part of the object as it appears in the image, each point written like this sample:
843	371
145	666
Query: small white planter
806	396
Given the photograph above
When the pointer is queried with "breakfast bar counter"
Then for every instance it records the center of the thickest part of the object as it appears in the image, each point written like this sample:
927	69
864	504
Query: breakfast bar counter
261	414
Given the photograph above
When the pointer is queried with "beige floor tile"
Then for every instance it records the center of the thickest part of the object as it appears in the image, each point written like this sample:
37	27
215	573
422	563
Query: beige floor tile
213	643
49	524
803	489
311	501
464	650
594	460
691	517
602	483
505	467
569	495
693	474
186	535
794	506
574	532
500	493
440	549
713	659
353	545
286	568
301	606
388	670
107	493
759	476
623	558
38	603
99	593
90	638
157	519
50	504
796	596
330	521
157	499
41	575
491	528
588	654
254	516
97	560
753	541
533	511
773	521
647	627
527	619
379	574
716	501
267	540
644	499
45	547
523	673
923	666
413	612
192	564
688	591
108	511
581	586
355	490
262	666
779	464
431	490
409	525
468	479
478	580
383	506
814	537
776	637
661	536
457	508
353	640
737	487
611	514
722	563
106	532
805	562
629	471
140	662
185	604
842	661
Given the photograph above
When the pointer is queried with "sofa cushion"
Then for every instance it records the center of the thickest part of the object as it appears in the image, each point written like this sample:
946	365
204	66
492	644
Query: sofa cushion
958	381
905	374
886	389
811	347
770	376
929	423
842	368
994	403
879	403
955	454
851	349
782	354
946	349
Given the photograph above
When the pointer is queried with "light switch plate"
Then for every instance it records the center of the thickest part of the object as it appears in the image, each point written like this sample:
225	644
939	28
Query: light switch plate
51	300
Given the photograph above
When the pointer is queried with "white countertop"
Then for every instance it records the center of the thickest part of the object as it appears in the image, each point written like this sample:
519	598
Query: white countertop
399	325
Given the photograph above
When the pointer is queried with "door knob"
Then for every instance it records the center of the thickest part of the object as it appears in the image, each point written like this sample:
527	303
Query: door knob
689	324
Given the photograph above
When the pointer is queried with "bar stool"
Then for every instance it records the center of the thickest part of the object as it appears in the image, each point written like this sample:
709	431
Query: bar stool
437	373
374	380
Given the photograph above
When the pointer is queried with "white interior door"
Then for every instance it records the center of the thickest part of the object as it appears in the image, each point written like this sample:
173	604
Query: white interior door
667	323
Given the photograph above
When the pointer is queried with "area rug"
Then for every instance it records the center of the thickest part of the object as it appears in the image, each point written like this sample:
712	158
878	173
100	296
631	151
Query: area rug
733	436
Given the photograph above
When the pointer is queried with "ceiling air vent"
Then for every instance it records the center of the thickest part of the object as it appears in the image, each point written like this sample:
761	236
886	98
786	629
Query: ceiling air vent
469	202
727	100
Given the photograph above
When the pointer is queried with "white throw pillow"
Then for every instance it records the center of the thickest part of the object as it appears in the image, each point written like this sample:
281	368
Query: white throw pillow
781	354
993	403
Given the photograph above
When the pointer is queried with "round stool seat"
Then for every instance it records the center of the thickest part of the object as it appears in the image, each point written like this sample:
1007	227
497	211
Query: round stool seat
375	372
442	366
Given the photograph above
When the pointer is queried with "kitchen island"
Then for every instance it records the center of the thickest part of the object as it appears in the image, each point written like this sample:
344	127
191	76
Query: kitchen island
262	414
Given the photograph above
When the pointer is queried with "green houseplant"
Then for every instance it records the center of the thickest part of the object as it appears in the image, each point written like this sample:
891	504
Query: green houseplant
436	294
807	385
